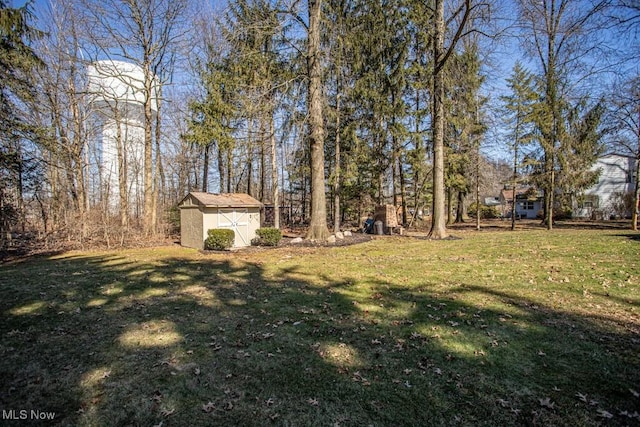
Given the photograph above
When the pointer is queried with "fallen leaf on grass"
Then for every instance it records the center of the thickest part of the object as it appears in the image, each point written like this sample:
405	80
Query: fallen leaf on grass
630	415
167	412
546	403
208	407
604	414
357	377
415	336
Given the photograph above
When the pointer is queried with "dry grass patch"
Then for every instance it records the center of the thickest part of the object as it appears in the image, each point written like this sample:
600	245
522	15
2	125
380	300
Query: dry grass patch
498	328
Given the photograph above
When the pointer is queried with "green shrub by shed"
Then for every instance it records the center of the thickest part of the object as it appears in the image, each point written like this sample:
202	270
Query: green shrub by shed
267	236
219	239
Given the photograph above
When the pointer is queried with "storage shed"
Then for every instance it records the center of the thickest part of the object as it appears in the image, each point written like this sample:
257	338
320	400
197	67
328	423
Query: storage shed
200	212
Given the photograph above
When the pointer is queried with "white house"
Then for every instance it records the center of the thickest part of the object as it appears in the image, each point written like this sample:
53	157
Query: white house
603	199
201	212
529	202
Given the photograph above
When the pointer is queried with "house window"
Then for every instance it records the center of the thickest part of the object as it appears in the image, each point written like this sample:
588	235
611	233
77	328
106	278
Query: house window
527	205
589	202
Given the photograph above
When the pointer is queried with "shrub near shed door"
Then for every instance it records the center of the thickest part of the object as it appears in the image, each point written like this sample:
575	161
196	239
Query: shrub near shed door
219	239
267	236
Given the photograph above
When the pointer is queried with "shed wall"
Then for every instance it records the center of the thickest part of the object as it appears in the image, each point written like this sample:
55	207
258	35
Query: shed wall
191	228
243	221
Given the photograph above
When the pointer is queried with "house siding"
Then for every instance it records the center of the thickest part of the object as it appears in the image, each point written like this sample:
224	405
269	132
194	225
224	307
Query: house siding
616	177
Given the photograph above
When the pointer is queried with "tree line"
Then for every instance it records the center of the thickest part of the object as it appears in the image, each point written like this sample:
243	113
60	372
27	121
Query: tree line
324	108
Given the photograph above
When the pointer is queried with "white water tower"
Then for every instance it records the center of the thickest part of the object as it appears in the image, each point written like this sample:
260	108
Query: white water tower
117	96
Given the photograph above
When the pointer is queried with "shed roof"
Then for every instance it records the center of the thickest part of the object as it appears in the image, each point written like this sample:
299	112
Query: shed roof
221	200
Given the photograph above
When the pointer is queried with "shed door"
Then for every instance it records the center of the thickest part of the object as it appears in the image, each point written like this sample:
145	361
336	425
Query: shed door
238	221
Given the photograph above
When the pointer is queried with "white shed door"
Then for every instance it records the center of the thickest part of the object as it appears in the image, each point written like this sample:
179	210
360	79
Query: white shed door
238	221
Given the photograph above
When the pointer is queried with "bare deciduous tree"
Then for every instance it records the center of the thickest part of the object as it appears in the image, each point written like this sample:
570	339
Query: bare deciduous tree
318	229
146	33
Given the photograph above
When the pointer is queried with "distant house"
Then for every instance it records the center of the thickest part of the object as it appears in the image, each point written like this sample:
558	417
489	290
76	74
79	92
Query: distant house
604	198
200	212
528	202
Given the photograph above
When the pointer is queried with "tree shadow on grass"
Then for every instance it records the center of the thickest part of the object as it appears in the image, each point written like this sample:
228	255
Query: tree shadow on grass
632	235
112	340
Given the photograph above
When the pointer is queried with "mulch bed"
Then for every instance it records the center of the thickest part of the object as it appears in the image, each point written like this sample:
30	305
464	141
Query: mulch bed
354	239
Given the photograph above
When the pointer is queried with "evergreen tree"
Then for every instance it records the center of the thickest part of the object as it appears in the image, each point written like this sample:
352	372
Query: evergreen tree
519	109
581	147
560	34
212	123
379	65
465	129
17	64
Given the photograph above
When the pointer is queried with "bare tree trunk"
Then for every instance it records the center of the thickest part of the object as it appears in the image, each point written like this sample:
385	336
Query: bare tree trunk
549	188
123	171
336	176
263	159
515	177
250	139
636	191
221	170
230	176
478	205
460	207
450	196
159	175
274	174
318	227
440	57
205	168
147	215
636	196
403	198
438	220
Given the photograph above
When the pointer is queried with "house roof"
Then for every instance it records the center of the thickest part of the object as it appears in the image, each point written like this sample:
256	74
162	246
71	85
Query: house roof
221	200
507	193
491	201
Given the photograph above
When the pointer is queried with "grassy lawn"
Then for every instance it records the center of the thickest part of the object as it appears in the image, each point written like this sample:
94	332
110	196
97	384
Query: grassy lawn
497	328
